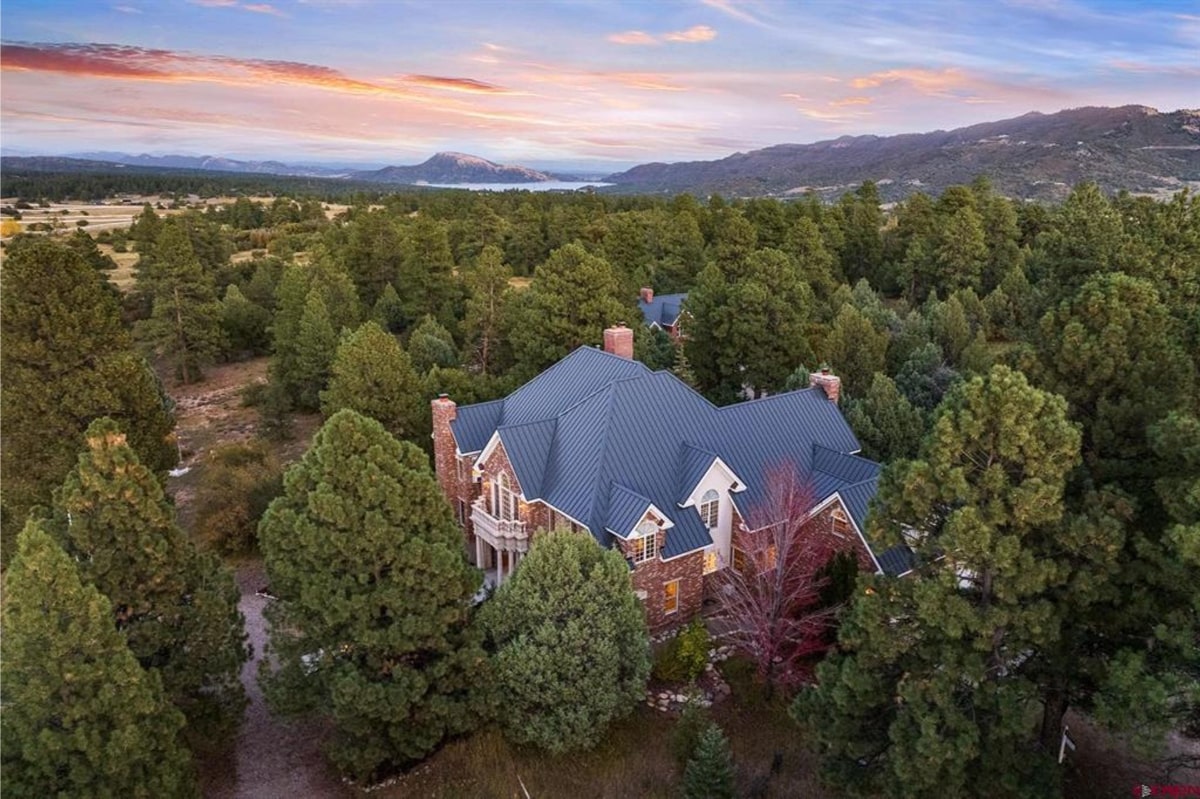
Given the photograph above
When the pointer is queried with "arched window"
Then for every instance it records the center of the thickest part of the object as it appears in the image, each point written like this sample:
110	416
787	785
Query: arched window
645	546
504	500
839	524
710	508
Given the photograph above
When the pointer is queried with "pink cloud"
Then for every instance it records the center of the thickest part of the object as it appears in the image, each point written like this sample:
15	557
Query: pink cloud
263	8
696	33
633	38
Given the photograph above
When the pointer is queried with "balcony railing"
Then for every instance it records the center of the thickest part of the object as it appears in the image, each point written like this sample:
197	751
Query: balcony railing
494	530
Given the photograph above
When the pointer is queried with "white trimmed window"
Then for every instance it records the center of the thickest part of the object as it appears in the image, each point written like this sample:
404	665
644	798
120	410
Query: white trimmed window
504	499
671	597
711	561
645	546
839	524
710	508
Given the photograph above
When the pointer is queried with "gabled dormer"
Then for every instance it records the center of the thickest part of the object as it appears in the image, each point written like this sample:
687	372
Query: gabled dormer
706	489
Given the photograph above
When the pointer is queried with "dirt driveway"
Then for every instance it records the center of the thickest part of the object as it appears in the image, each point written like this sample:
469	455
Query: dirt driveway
273	758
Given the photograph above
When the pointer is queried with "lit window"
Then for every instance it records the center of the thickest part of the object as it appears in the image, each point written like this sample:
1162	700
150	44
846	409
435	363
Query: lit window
839	524
772	556
739	560
645	546
710	508
671	597
710	561
504	499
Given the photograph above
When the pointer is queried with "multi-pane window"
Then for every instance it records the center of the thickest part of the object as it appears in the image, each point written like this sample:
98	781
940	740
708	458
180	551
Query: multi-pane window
645	546
739	560
671	597
839	524
504	499
710	508
710	561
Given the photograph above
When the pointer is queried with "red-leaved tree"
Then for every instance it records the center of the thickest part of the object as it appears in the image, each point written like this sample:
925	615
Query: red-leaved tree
772	603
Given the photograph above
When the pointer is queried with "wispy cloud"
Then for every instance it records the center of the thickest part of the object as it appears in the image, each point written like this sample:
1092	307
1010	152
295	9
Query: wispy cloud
254	8
263	8
696	33
127	9
735	9
633	38
693	35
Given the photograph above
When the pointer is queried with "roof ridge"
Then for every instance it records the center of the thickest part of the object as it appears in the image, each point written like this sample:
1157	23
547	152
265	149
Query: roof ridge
780	395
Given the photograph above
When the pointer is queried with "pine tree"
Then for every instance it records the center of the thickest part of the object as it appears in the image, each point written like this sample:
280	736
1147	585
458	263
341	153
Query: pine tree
926	693
371	626
185	321
427	285
572	653
66	359
430	345
709	774
388	310
316	347
573	298
176	606
886	423
488	289
81	718
855	349
244	324
372	375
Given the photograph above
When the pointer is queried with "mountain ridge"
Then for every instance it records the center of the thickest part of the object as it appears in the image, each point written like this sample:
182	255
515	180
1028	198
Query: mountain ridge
1033	156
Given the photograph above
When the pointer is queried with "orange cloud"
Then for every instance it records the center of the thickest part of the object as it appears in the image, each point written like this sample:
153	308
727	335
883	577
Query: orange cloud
845	101
633	37
696	33
120	61
455	84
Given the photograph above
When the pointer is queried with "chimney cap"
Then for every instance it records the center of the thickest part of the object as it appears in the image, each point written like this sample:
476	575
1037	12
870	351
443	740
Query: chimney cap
443	396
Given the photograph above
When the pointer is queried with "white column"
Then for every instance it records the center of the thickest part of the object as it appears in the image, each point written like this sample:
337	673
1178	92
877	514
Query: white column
478	551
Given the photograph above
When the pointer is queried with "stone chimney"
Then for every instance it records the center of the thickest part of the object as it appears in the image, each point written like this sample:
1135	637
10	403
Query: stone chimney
830	383
647	295
619	340
444	450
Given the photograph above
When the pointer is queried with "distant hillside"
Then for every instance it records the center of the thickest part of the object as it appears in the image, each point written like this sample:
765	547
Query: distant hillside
211	163
453	168
1033	156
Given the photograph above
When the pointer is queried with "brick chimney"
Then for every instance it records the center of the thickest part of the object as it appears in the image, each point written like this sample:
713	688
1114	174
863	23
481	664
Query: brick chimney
444	412
830	383
647	295
619	340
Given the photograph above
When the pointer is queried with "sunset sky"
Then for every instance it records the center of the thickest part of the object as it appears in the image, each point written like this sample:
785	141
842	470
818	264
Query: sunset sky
591	83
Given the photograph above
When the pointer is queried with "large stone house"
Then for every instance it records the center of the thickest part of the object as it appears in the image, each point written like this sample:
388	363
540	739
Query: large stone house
600	444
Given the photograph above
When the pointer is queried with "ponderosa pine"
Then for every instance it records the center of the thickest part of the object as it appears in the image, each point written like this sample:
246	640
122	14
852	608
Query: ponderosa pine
81	717
371	626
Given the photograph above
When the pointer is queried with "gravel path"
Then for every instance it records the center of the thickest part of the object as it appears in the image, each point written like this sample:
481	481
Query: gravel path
274	758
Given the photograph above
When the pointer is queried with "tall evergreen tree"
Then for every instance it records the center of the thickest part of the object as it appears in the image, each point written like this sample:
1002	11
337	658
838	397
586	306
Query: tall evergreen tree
316	346
430	345
185	320
929	695
572	653
80	717
66	359
886	423
573	298
488	291
855	350
373	375
176	606
427	284
371	627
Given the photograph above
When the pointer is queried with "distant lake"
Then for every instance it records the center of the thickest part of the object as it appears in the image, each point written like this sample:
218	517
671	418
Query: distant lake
546	185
